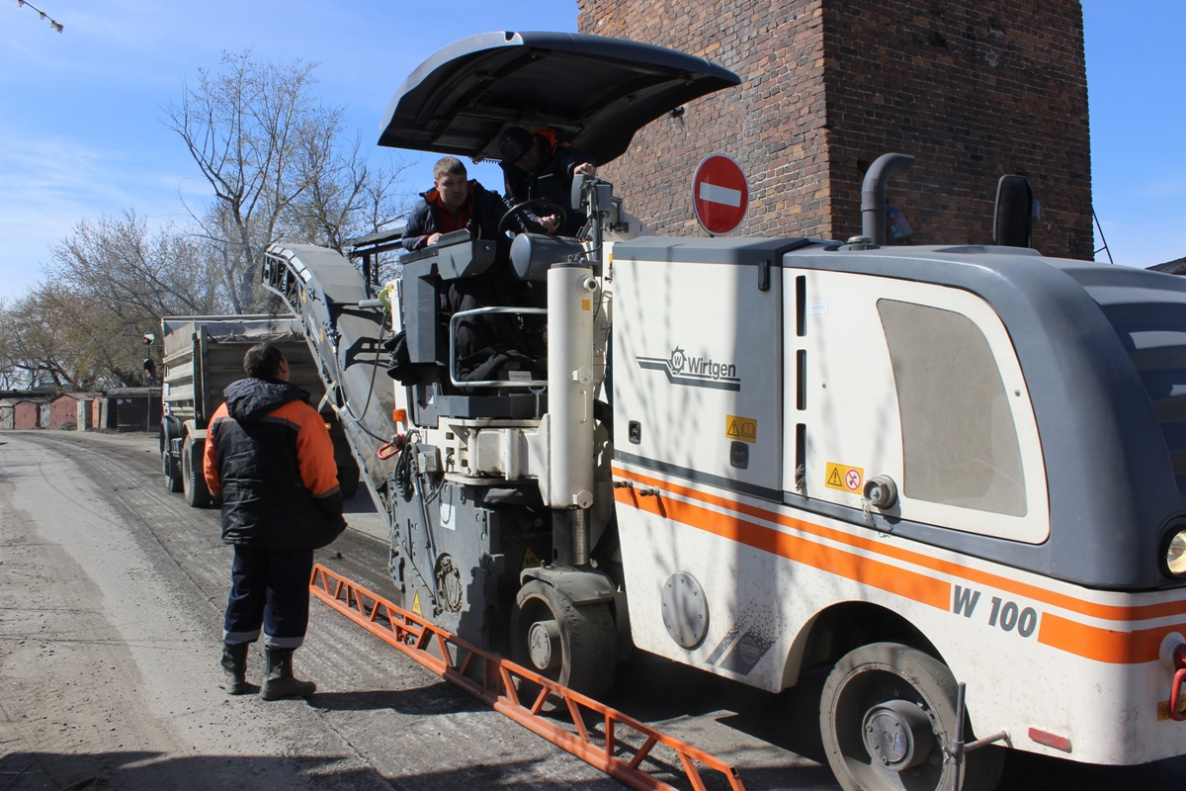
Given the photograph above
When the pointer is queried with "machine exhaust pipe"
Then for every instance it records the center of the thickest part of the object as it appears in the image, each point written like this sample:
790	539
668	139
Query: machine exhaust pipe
873	193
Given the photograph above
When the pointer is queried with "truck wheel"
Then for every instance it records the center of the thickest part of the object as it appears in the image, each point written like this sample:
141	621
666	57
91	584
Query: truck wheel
574	646
173	482
194	482
887	717
169	464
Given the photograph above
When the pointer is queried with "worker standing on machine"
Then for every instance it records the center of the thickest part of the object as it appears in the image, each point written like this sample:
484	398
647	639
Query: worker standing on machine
453	204
539	166
269	454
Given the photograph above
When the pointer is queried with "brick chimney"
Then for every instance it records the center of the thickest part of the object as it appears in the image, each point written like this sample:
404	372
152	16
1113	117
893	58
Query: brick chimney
973	89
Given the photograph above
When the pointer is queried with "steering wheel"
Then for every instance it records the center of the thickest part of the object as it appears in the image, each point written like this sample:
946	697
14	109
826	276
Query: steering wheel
543	203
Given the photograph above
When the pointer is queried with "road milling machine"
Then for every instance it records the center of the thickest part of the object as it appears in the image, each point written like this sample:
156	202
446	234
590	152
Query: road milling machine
952	478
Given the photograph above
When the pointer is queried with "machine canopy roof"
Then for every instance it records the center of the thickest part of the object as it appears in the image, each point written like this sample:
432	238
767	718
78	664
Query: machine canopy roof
598	91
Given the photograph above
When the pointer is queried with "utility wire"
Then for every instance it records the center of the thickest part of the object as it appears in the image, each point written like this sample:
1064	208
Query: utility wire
55	24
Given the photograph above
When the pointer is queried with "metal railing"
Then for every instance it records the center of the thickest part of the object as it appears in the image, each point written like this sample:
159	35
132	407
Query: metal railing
605	738
503	383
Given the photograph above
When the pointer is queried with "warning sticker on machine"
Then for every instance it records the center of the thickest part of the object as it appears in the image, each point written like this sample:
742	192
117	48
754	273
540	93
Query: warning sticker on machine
530	559
844	478
742	428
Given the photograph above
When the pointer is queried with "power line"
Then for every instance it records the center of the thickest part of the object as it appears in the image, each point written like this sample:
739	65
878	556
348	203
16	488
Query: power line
55	24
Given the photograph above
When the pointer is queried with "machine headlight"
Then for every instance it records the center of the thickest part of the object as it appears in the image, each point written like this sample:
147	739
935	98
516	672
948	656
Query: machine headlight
1175	554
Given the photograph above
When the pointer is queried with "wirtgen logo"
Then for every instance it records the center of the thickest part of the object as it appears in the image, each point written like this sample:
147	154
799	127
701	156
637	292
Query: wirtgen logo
682	369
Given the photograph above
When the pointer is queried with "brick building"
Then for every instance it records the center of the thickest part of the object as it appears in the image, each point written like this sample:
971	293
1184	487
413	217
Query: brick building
973	89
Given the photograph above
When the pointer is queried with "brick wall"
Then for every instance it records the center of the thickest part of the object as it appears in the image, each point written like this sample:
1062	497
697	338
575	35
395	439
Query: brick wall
972	88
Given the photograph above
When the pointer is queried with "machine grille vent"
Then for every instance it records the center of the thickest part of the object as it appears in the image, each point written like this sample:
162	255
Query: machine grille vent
959	442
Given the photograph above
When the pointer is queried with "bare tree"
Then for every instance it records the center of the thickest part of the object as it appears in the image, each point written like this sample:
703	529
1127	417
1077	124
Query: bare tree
65	340
137	274
346	198
39	347
110	282
270	151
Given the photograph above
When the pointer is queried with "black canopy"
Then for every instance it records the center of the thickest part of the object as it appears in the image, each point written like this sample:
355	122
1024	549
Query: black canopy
598	91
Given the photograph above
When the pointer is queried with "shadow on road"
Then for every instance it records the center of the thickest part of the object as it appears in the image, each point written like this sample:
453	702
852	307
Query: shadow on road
442	698
149	771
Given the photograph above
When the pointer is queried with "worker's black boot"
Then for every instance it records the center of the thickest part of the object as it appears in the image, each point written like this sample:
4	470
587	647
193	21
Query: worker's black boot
279	681
234	668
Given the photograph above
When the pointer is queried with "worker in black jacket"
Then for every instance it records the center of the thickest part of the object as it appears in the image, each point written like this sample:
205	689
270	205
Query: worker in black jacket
453	204
540	166
483	342
270	457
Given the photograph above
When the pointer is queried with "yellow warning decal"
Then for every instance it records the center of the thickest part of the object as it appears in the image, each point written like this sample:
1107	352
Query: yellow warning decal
530	560
416	604
742	428
845	478
586	305
1163	709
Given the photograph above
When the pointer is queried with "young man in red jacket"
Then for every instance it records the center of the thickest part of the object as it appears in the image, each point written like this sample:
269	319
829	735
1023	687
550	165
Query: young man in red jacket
269	455
454	203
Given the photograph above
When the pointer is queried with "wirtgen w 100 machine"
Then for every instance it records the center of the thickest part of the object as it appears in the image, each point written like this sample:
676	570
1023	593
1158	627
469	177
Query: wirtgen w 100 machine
954	475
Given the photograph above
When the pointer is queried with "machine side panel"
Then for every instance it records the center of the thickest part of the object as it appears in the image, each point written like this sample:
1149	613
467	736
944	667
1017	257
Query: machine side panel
767	571
697	369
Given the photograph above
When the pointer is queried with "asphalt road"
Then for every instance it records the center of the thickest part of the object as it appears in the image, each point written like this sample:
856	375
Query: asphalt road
111	598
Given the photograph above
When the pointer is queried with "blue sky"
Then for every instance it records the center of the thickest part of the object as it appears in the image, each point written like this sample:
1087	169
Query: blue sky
80	112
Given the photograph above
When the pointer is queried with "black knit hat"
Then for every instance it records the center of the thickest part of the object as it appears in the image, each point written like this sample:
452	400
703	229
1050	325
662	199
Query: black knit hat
514	143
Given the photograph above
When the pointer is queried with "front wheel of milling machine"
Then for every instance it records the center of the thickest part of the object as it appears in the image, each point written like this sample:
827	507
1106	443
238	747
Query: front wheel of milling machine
888	721
575	646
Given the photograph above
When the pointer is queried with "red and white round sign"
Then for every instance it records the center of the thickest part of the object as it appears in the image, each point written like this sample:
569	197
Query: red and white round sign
720	194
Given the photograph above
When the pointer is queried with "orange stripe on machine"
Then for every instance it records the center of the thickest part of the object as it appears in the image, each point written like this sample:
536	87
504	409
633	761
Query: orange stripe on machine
866	571
1104	645
1091	642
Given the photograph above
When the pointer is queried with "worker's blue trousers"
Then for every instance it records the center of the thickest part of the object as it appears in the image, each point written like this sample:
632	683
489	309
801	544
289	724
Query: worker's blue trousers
269	588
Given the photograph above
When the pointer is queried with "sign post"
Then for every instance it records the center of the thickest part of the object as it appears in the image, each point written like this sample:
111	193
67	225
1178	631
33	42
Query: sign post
720	194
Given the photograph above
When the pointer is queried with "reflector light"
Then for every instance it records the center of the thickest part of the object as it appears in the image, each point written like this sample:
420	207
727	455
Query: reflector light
1175	554
1051	740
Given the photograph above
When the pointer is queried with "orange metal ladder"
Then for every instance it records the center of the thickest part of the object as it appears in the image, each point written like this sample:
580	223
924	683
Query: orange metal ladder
492	680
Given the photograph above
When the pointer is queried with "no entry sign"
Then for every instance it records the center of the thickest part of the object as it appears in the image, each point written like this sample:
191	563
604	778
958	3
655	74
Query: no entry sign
720	194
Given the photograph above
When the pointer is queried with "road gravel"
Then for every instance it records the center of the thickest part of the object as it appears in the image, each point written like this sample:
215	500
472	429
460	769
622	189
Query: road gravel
111	599
111	594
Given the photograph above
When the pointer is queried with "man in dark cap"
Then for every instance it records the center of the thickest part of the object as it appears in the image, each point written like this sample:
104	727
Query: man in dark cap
539	165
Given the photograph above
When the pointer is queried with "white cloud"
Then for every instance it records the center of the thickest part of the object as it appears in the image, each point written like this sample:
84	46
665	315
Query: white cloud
49	184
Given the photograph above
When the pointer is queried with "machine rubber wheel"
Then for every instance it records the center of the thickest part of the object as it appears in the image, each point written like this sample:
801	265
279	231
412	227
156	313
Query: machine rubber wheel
193	480
887	715
574	646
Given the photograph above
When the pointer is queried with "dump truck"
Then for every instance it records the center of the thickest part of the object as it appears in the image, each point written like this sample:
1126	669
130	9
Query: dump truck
949	478
204	354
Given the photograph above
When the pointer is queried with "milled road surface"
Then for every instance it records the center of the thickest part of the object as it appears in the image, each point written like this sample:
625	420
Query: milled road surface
111	599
